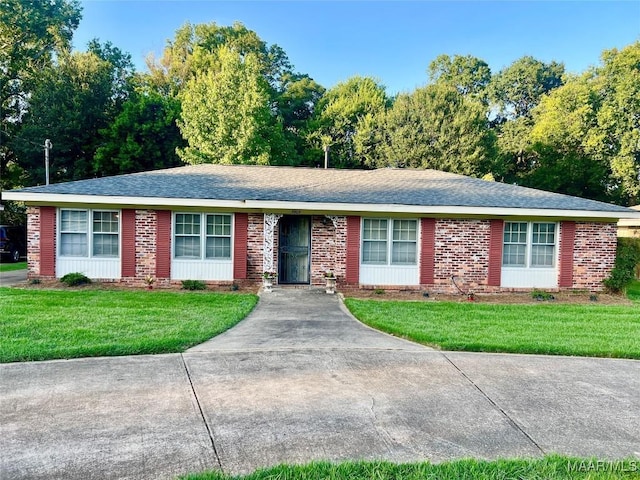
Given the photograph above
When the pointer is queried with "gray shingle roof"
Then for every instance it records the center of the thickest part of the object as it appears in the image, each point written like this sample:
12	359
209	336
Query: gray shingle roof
383	186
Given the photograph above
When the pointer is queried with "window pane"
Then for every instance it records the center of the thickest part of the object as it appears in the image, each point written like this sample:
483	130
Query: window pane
514	255
515	232
404	230
374	229
187	224
105	222
374	252
219	225
105	245
73	221
73	244
542	255
187	247
218	247
404	253
544	233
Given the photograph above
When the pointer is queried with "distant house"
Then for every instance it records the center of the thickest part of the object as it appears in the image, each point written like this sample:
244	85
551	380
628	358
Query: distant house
388	228
628	227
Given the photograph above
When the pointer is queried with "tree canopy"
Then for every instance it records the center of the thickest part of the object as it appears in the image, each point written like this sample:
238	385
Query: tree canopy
222	94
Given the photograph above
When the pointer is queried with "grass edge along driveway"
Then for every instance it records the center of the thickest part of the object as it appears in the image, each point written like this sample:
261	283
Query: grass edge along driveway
546	328
551	467
56	324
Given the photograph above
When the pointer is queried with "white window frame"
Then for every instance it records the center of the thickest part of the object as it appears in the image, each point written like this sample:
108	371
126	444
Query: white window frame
528	255
89	232
202	236
389	242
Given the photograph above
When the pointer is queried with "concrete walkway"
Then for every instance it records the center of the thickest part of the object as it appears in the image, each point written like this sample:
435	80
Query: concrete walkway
300	380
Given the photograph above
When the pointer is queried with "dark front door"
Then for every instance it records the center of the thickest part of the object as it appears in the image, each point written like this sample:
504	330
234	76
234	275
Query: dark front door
293	250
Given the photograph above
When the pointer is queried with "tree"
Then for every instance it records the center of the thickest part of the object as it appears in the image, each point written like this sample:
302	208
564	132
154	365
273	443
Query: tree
226	114
617	137
30	34
469	75
296	104
194	50
437	127
518	88
515	91
69	105
338	115
144	136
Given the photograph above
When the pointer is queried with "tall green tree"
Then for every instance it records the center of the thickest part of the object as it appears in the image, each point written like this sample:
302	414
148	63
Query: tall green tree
515	91
437	127
563	122
617	139
69	105
468	74
143	136
338	116
30	34
227	117
296	105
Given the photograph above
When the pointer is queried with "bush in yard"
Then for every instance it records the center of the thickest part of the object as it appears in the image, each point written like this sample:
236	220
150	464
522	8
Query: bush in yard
74	279
627	260
193	285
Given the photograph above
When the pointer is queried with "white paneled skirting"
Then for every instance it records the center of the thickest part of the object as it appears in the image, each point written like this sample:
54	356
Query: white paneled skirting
201	270
103	268
529	277
389	275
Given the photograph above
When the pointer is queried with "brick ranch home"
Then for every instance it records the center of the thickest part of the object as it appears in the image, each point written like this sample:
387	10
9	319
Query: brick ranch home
387	228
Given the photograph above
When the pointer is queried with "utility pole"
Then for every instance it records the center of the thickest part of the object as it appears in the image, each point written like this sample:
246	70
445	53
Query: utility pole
326	156
47	146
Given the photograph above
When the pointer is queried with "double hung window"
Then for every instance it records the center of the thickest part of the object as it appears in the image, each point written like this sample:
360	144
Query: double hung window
89	233
529	245
389	241
202	236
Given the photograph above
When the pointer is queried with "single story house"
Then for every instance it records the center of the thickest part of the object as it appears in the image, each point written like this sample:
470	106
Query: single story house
386	228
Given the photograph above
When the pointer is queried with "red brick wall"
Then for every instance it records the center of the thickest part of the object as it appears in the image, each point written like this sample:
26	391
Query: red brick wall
328	248
33	242
594	254
462	251
255	247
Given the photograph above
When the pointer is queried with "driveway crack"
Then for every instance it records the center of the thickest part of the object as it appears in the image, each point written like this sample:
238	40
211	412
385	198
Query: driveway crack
496	406
204	420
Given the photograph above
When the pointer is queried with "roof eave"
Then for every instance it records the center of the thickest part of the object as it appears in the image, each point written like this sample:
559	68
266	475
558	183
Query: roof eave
58	199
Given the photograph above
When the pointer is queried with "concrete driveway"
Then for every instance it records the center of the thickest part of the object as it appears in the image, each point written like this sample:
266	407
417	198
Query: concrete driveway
14	277
300	380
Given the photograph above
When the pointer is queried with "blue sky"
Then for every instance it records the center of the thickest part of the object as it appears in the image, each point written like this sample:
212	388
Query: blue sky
393	41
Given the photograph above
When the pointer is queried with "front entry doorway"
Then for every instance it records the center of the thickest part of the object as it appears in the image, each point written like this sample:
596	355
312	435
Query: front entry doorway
294	250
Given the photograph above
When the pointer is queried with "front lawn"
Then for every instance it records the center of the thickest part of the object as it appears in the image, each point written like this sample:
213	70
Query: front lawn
545	328
552	467
50	324
10	267
633	291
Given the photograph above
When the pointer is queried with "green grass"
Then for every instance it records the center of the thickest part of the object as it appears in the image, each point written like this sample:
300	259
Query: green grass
557	329
10	267
50	324
633	291
552	467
